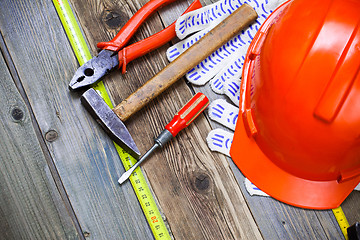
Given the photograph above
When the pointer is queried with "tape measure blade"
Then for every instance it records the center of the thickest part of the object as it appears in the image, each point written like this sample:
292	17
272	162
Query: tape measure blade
145	196
73	32
341	220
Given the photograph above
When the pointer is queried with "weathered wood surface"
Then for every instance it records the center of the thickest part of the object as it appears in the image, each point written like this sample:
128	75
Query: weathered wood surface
201	193
84	157
351	207
30	205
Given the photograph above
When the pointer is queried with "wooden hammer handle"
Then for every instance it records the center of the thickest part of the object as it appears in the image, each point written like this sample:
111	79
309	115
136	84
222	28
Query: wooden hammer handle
218	36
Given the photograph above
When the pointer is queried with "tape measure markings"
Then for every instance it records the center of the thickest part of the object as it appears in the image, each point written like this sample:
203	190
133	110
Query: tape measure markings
342	221
73	31
143	193
137	179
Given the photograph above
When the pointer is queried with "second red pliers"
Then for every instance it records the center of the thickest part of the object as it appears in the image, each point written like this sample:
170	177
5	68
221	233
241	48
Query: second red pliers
114	55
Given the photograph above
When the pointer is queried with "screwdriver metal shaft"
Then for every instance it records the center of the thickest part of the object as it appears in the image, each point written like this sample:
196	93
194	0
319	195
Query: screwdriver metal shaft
159	142
127	174
180	121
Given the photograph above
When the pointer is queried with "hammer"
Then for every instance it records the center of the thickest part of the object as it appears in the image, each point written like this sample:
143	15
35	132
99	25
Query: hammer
112	119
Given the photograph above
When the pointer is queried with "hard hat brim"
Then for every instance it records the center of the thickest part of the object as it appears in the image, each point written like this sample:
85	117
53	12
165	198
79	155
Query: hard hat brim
264	173
281	185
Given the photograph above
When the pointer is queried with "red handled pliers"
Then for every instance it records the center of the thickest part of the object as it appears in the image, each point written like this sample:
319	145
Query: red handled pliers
114	55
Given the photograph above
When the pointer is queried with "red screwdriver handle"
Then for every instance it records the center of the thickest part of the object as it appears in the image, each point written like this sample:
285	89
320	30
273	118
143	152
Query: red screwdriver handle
188	113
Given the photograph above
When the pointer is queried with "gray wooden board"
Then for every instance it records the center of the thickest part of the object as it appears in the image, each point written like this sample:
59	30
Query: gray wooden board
30	204
84	156
351	207
89	166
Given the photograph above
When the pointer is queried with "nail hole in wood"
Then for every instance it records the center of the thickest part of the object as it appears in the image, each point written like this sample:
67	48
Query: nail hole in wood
201	182
17	114
51	136
113	19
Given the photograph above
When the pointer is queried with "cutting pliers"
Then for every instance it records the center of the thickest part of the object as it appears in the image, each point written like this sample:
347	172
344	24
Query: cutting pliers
114	54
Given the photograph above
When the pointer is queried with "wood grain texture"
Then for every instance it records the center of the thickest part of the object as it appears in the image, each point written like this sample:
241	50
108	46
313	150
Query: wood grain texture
201	193
30	204
196	190
351	207
85	158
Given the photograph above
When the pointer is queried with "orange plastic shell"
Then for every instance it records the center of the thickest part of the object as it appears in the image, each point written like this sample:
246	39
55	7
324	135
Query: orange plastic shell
298	134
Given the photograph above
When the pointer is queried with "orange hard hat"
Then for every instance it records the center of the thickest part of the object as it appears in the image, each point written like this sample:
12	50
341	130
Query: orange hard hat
298	133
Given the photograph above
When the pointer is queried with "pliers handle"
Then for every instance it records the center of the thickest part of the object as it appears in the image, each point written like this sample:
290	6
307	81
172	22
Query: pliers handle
129	29
114	55
127	54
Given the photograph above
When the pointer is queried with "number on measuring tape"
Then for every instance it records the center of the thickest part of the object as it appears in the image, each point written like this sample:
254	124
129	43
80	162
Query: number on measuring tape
342	221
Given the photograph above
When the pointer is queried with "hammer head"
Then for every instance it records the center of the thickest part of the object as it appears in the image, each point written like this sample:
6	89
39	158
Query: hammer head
111	123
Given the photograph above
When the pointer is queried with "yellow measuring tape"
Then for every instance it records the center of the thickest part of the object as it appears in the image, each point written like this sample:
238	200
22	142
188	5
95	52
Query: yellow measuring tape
342	221
137	179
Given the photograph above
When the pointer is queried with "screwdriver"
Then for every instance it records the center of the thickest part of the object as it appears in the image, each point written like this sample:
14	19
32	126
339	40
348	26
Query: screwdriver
181	120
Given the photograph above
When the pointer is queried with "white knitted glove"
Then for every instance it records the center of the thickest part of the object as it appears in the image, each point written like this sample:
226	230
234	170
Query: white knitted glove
226	114
224	66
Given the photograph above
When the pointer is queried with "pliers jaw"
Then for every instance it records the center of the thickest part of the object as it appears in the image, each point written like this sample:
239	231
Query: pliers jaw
94	69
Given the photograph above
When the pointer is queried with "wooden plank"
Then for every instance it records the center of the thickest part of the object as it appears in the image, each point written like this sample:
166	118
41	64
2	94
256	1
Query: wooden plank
30	204
351	207
196	189
84	156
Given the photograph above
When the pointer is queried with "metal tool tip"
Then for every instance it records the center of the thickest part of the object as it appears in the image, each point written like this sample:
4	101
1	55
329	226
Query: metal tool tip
124	177
71	87
81	80
94	69
111	123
